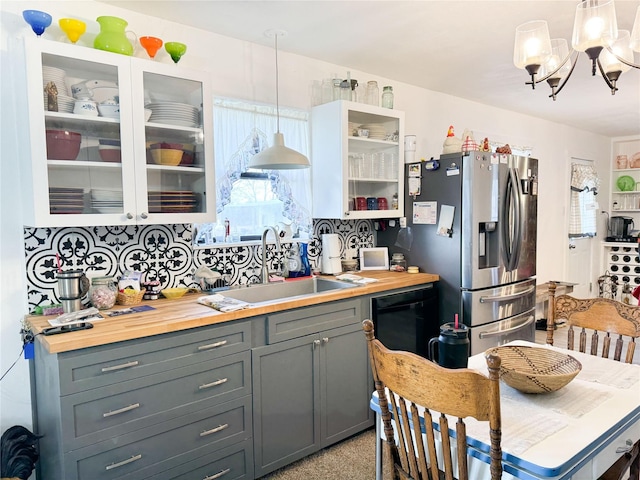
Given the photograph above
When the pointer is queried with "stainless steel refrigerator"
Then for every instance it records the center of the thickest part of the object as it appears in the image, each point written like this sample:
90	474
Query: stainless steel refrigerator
474	224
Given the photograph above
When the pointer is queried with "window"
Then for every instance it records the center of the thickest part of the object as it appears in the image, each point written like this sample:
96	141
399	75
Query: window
251	200
583	210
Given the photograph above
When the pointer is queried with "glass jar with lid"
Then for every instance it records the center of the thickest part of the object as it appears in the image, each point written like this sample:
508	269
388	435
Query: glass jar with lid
103	292
387	97
398	263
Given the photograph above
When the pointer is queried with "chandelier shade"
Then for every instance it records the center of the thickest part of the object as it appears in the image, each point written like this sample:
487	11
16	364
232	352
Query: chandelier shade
595	32
595	25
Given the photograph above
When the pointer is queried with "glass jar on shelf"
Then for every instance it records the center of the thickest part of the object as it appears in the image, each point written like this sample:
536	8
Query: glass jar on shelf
387	97
372	93
103	293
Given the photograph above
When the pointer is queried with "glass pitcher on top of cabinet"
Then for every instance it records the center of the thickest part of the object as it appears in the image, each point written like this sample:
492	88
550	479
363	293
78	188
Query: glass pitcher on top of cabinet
115	140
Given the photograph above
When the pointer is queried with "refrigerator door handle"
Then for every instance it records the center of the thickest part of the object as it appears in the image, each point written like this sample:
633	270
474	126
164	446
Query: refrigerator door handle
528	322
517	211
511	221
511	296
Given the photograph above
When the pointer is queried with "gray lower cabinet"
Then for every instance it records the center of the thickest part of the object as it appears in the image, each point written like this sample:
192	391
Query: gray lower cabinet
311	384
230	401
138	409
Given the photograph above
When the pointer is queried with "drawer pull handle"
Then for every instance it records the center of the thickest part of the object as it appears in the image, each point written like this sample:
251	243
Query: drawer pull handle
120	367
212	345
124	462
121	410
213	384
214	430
627	449
217	475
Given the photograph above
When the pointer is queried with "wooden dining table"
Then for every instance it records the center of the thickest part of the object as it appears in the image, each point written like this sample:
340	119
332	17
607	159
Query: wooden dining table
575	433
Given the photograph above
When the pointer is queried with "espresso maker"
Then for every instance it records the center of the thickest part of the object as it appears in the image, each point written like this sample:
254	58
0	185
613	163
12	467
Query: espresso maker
620	228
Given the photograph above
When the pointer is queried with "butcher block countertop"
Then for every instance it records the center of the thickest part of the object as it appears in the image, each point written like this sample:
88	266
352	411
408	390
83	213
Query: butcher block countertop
184	313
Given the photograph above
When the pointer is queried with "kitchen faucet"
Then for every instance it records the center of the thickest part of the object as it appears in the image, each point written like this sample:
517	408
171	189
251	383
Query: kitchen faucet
265	269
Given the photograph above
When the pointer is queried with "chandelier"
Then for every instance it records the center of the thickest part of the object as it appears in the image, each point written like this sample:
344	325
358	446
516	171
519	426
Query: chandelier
595	32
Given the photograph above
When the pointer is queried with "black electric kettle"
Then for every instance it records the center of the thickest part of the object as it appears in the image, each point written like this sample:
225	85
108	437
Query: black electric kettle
621	226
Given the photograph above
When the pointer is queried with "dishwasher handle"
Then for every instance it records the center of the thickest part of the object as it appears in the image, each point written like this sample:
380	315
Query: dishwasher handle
529	321
511	296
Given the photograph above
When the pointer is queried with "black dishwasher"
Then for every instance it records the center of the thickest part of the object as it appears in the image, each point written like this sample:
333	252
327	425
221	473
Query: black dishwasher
407	320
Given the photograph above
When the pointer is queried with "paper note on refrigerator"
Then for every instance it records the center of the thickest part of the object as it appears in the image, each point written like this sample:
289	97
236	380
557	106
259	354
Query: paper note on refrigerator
445	225
425	212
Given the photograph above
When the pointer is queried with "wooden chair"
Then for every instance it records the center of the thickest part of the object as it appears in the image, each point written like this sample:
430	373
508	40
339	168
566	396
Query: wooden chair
406	381
614	321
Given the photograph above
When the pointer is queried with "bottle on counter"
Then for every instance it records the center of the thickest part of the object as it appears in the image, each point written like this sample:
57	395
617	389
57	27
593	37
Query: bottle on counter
387	97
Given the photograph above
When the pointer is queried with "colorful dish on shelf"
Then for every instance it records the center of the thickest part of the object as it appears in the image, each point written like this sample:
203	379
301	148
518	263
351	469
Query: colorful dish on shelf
626	183
634	162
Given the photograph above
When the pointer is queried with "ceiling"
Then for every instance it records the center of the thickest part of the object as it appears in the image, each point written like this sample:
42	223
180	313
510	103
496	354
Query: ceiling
462	48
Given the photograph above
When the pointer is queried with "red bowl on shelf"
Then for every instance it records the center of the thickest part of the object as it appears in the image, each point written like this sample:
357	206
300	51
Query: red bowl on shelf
110	154
63	145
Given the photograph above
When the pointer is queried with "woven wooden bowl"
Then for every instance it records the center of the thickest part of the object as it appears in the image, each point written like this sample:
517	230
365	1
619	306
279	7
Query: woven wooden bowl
535	370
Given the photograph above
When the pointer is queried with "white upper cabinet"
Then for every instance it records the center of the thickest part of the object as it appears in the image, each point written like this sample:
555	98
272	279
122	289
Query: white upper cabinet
625	178
82	167
356	176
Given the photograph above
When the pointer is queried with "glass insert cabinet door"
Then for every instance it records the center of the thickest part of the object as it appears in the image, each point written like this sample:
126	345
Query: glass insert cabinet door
110	143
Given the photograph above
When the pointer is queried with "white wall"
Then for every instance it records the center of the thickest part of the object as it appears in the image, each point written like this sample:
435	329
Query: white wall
245	70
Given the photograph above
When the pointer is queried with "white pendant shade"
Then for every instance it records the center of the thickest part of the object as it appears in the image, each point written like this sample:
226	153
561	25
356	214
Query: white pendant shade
559	53
620	48
595	25
278	157
532	45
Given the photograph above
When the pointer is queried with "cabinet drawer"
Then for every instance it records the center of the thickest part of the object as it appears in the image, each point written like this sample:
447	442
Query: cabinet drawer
608	456
89	417
108	364
231	463
153	450
310	320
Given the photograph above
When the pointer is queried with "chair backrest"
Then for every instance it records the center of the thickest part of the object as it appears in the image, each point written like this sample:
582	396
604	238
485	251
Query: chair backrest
604	317
408	382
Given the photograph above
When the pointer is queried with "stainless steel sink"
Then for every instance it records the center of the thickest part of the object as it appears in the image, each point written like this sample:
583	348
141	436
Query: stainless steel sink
276	292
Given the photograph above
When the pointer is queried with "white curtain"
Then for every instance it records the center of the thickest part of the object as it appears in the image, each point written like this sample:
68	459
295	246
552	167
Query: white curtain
238	124
583	211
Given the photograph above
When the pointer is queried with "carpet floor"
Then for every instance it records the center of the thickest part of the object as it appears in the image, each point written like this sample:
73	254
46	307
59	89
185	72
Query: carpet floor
351	459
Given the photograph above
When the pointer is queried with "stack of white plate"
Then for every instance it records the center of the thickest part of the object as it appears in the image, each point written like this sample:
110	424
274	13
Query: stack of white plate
59	78
106	201
173	113
376	131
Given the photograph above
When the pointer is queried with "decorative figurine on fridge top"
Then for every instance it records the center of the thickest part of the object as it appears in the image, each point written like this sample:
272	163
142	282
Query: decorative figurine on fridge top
504	149
452	144
469	144
484	146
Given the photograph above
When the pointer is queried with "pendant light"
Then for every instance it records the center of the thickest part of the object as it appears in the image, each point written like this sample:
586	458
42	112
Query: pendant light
278	157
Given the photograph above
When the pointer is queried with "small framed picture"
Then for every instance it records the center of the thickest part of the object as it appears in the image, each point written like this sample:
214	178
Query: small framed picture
374	258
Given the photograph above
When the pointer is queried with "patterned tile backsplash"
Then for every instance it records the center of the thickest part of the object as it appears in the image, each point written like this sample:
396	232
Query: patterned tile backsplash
161	252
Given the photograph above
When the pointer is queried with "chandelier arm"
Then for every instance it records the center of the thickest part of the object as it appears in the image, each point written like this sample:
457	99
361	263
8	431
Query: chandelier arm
620	59
604	75
566	79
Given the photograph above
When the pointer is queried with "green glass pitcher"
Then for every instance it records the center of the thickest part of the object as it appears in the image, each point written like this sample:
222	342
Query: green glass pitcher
112	36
